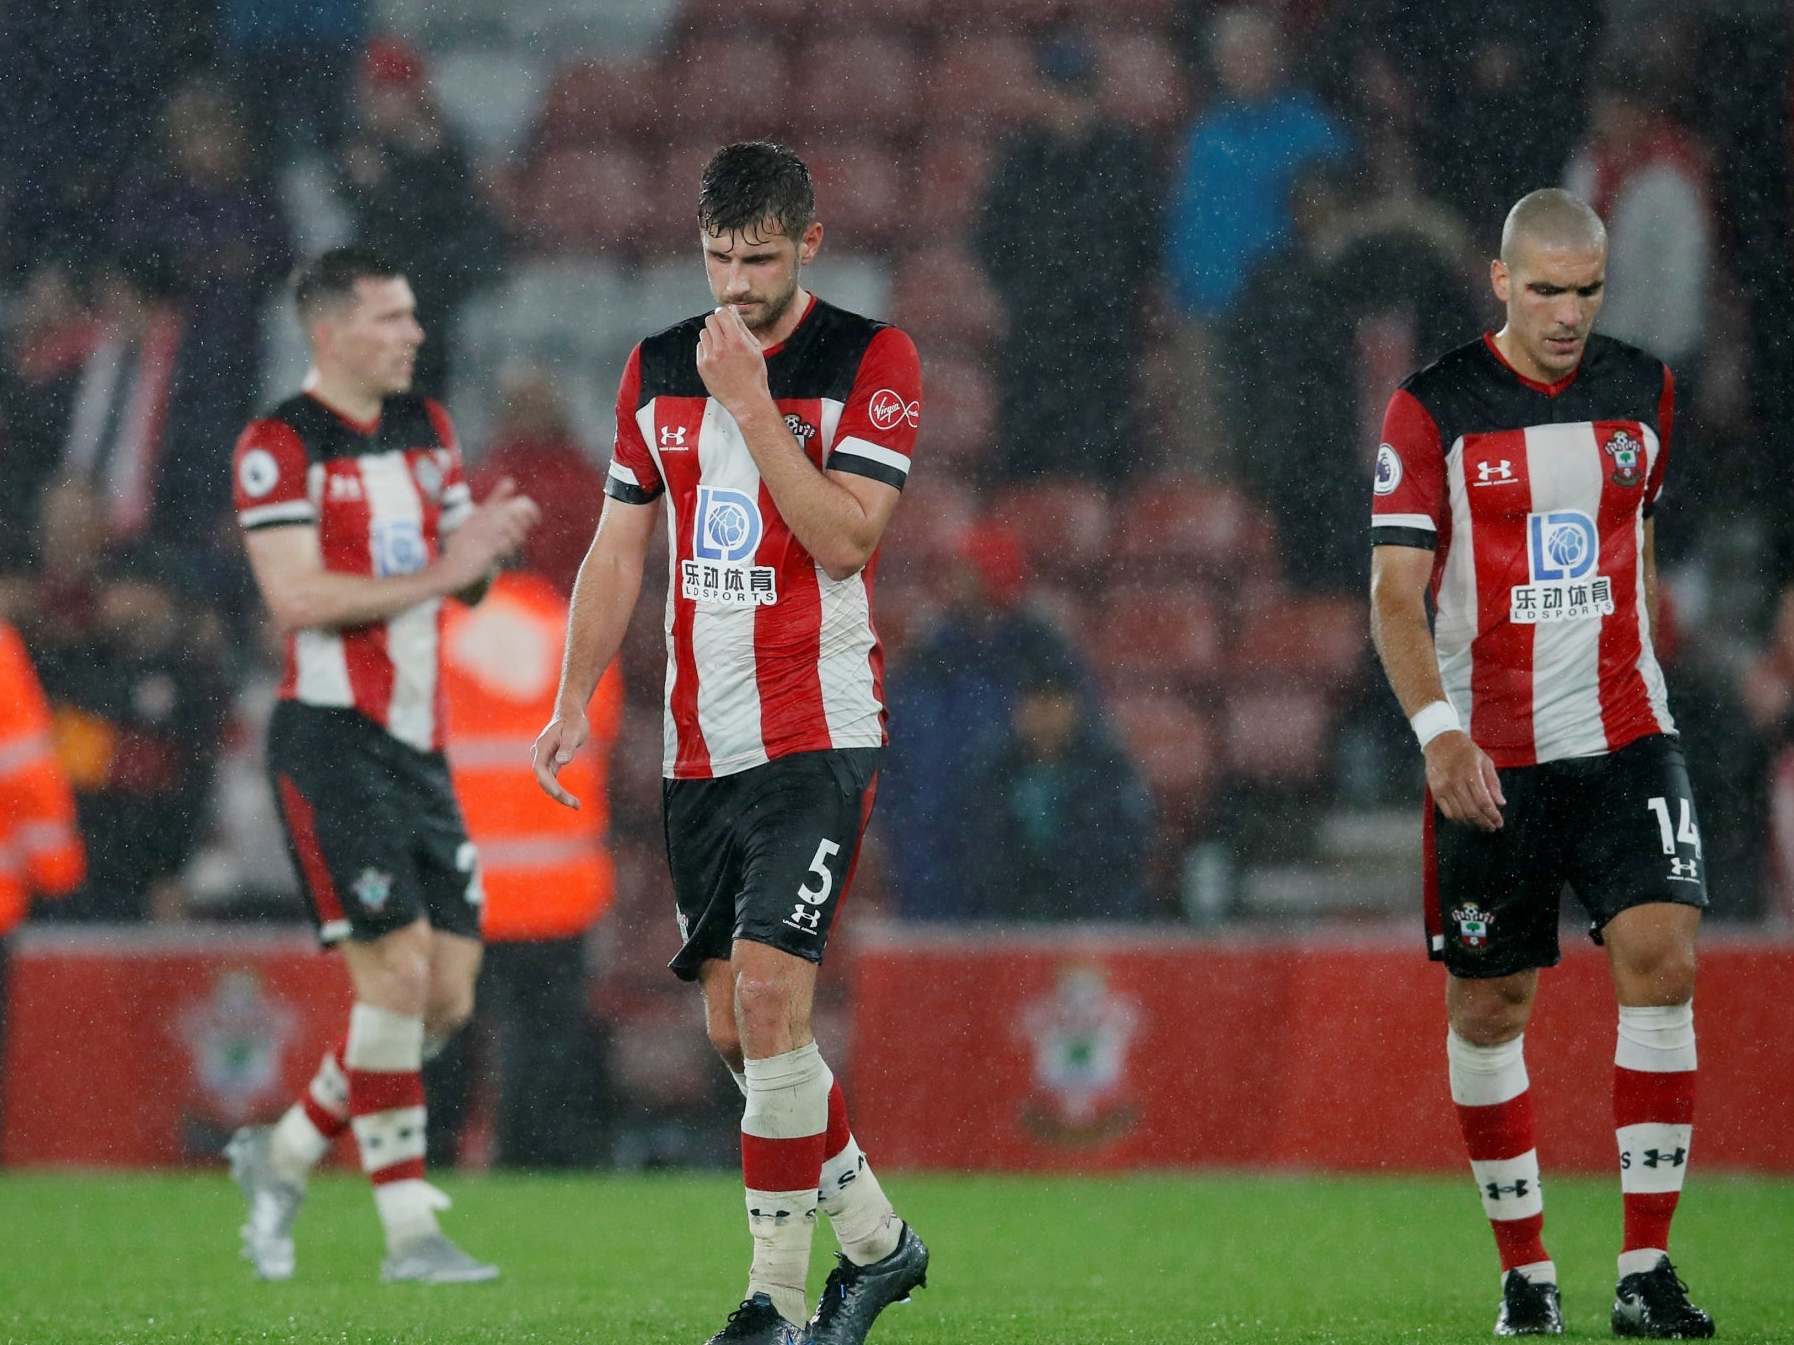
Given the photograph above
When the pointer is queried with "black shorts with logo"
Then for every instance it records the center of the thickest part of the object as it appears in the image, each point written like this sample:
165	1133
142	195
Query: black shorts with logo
1619	829
372	826
766	854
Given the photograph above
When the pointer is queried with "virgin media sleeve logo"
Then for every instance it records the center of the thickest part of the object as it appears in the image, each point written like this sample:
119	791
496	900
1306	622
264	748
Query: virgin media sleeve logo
887	408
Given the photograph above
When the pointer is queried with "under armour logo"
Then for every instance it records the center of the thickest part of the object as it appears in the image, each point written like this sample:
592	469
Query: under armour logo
672	436
1677	869
1670	1158
1495	471
1518	1190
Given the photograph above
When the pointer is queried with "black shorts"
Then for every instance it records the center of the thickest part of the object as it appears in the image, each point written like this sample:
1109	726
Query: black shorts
766	854
1619	829
372	826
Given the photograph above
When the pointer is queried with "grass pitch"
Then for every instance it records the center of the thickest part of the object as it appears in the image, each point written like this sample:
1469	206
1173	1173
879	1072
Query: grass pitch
1149	1260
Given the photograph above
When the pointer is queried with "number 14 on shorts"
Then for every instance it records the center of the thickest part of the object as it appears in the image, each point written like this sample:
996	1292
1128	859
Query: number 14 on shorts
806	916
1684	832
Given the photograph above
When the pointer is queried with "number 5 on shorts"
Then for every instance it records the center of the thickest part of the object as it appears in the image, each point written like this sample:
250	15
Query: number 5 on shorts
807	915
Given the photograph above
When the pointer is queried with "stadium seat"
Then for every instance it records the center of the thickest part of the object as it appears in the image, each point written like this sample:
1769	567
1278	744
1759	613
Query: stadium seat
704	16
1316	640
861	190
1277	734
951	172
858	83
959	413
1143	84
671	227
1174	747
1198	527
1167	639
1063	524
584	200
939	294
924	534
979	84
592	103
726	88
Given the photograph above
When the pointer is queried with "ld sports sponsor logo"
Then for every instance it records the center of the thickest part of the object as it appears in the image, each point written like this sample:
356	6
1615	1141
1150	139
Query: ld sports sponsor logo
887	409
1562	552
721	572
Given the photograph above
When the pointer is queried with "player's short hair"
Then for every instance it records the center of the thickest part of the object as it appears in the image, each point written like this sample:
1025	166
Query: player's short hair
1553	218
753	183
329	279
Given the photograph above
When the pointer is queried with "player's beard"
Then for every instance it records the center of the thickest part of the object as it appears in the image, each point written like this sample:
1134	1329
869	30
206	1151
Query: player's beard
772	310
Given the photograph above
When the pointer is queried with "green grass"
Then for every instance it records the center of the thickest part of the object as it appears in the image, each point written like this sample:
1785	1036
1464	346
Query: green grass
1148	1260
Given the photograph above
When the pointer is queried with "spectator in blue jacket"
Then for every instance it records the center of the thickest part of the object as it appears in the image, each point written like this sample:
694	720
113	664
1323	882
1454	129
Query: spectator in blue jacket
1229	202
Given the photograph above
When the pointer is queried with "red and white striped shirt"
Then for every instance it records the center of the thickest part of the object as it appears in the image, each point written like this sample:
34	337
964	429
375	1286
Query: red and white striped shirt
1534	497
381	497
766	655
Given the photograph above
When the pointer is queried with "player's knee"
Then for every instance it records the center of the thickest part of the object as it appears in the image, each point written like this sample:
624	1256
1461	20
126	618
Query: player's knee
1492	1017
1660	975
449	1012
763	1014
727	1041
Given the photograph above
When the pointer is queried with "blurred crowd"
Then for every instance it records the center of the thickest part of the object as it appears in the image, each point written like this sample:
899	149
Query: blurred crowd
1165	260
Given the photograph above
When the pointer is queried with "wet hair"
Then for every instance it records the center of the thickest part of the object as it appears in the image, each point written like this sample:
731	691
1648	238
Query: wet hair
755	183
330	279
1552	218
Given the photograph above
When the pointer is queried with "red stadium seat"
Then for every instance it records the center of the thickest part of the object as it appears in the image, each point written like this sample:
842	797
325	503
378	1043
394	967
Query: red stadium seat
584	200
1199	527
594	102
727	88
708	16
940	295
671	208
924	534
1063	524
959	412
1277	735
1163	638
1317	641
979	84
861	190
862	14
1174	748
951	173
866	82
1142	83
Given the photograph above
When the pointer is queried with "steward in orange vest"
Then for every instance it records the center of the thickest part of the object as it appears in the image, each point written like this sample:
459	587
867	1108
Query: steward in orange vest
40	851
546	870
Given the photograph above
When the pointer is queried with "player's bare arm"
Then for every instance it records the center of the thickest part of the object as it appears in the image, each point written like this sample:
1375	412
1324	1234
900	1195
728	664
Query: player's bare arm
302	593
610	579
837	516
1463	780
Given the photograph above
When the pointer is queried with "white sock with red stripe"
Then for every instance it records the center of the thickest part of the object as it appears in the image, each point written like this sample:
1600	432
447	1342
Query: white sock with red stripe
865	1224
1654	1074
1494	1103
384	1056
310	1126
782	1133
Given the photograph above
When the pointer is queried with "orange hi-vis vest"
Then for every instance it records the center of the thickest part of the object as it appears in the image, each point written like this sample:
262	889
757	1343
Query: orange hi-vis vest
546	868
40	850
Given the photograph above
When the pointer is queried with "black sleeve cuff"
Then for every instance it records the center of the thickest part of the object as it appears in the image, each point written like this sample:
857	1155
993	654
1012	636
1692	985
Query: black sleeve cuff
628	494
1419	538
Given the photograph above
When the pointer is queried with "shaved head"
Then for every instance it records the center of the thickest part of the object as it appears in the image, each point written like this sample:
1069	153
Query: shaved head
1553	220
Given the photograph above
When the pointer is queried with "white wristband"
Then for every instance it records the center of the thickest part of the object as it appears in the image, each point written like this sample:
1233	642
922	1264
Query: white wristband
1429	721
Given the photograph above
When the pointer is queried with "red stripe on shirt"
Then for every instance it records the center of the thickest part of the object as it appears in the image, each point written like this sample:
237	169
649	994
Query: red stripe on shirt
1625	703
1501	652
682	470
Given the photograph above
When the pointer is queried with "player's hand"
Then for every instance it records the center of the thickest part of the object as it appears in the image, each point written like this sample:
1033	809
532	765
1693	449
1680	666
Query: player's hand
731	364
555	747
495	528
1464	782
